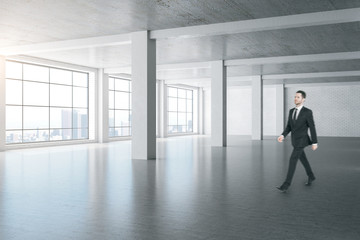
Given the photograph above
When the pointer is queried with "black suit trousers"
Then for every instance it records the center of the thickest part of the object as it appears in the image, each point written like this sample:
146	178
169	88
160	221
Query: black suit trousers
298	153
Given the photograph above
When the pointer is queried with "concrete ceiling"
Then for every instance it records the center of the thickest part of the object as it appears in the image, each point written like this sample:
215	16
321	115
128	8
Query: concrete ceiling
39	21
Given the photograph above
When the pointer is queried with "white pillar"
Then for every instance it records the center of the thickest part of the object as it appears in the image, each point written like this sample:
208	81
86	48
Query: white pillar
163	109
218	104
257	108
143	96
280	107
2	104
158	108
103	106
201	111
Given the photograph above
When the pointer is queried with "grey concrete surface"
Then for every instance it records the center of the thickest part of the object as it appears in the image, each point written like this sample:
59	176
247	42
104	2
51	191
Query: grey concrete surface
191	191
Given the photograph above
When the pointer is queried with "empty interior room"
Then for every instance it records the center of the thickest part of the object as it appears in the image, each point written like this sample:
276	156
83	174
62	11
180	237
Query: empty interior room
179	119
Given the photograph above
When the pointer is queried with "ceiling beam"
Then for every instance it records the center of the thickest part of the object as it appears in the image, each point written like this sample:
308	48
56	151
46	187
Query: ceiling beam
115	70
302	84
183	66
312	75
295	59
189	80
275	76
46	62
250	61
111	40
162	67
262	24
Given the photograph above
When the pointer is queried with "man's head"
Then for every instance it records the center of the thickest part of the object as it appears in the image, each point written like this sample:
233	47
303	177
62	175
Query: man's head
300	97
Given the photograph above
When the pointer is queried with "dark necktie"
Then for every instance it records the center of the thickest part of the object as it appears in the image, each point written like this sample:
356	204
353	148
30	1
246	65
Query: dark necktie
294	118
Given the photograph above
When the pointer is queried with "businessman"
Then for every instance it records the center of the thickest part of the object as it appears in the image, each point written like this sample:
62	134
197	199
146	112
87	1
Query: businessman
300	120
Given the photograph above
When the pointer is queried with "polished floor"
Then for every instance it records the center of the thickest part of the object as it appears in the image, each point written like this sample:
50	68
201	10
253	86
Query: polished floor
192	191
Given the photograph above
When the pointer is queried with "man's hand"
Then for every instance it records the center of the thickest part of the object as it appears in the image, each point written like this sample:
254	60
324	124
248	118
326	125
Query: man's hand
314	147
280	138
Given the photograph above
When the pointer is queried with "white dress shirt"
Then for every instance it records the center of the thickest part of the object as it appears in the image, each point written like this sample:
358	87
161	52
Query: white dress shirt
297	112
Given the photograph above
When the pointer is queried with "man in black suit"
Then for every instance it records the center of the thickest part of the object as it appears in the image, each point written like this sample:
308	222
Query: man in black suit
300	120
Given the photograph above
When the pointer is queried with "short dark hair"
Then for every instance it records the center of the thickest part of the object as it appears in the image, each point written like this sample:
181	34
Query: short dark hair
303	94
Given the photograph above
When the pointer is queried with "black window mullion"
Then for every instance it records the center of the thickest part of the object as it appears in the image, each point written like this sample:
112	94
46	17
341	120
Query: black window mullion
113	92
72	105
88	101
186	119
114	107
177	109
129	107
49	104
192	111
22	103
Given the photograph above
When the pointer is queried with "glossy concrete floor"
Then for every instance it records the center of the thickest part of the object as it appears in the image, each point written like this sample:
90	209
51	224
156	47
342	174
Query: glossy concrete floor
192	191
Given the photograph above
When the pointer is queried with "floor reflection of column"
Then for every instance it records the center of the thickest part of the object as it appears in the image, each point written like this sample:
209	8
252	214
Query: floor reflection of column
257	163
3	234
111	191
13	193
219	176
99	208
2	171
145	200
212	190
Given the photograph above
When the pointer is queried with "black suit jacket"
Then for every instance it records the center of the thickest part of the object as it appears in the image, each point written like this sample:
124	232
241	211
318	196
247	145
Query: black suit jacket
299	128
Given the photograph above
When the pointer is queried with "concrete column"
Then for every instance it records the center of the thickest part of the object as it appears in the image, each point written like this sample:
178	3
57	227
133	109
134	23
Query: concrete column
218	104
143	96
103	106
201	111
257	108
163	109
158	108
2	104
280	108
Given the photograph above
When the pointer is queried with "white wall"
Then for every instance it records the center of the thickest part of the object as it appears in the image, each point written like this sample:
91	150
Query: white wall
196	110
269	111
207	111
239	110
335	107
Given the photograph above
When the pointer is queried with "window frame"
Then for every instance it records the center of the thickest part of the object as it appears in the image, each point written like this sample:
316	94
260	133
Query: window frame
112	129
186	112
49	130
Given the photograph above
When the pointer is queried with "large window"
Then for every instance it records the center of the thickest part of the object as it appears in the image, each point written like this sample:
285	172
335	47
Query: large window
180	110
45	103
119	107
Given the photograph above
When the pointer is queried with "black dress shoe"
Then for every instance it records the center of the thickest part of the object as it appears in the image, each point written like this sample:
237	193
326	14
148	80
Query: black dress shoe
283	188
310	180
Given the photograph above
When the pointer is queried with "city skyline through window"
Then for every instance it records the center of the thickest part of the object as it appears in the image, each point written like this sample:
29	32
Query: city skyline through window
45	103
119	107
180	110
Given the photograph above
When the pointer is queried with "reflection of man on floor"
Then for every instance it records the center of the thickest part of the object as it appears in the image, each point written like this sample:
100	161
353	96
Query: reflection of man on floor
300	120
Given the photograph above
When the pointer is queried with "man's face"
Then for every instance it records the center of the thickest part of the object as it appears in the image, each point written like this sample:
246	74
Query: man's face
299	100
